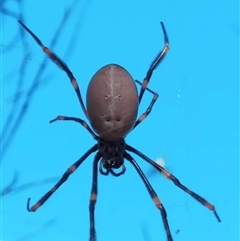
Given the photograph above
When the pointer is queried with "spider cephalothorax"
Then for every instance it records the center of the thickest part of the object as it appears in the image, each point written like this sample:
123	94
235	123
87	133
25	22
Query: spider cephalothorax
112	156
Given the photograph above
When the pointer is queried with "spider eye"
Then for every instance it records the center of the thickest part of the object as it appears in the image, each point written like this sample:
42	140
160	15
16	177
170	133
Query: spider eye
114	162
110	163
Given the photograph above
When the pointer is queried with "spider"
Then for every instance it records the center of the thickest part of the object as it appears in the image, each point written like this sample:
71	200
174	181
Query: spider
112	106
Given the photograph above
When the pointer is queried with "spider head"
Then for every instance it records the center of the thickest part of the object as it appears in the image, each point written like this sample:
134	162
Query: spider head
112	156
112	162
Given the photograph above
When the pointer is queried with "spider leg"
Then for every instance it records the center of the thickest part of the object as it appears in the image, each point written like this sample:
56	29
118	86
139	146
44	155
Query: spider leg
175	181
93	198
80	121
152	193
64	178
149	109
61	64
155	63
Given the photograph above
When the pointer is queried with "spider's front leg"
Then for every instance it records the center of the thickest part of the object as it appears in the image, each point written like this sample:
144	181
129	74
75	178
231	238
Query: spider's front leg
155	63
61	64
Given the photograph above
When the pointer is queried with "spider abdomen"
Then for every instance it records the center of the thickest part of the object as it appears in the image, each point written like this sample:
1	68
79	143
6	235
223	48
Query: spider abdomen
112	102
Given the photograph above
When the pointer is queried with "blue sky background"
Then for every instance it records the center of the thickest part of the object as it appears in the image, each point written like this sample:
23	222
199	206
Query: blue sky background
194	125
